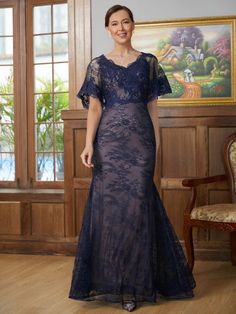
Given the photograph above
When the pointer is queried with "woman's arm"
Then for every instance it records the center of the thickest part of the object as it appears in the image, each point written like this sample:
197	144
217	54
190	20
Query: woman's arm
93	119
153	111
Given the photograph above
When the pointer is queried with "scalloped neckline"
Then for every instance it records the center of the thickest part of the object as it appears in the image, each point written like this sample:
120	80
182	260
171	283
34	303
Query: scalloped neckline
122	66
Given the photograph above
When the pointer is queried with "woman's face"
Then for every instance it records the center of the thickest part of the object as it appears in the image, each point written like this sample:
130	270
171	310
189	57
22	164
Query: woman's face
121	27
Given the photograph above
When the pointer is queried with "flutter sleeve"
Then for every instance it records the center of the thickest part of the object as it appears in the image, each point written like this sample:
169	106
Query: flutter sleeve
91	85
159	84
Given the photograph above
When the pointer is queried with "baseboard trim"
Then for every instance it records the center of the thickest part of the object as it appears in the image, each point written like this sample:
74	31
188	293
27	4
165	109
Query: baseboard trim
38	247
69	248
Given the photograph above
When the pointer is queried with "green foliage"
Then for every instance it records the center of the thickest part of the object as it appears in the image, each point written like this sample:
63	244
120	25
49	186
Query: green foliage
162	44
49	126
47	131
220	87
167	67
181	65
209	64
7	114
177	88
205	47
59	138
197	67
44	102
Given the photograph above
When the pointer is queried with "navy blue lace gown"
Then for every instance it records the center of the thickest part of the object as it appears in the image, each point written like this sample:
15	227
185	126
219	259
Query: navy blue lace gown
127	248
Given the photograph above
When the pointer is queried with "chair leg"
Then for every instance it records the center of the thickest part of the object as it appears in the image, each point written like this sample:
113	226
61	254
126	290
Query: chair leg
188	239
233	247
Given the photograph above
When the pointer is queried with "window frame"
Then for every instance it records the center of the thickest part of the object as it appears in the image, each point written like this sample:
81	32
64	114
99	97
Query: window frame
79	36
31	107
19	76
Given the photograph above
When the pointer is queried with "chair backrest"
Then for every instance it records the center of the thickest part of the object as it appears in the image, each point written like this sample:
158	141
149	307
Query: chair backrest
229	155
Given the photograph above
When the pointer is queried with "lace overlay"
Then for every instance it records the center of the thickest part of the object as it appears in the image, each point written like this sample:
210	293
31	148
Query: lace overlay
127	248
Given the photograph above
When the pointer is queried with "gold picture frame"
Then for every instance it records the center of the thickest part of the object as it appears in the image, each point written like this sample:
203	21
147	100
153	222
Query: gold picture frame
198	56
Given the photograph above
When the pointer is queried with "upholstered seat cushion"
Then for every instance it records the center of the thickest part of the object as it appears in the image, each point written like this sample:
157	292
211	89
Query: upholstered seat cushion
217	213
232	157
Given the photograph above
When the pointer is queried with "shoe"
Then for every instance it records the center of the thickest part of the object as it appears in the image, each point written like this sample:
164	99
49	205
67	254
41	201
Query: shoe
129	305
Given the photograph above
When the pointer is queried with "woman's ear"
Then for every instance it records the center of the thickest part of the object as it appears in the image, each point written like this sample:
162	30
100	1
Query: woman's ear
108	32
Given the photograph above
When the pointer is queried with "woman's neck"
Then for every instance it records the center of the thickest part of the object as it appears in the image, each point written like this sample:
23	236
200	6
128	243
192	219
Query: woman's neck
122	50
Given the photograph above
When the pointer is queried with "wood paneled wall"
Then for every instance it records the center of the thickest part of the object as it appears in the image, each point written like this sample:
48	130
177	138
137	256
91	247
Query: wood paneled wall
191	146
49	221
191	142
33	221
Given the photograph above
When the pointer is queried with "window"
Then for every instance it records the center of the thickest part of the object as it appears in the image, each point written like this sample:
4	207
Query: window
7	142
34	86
50	90
33	62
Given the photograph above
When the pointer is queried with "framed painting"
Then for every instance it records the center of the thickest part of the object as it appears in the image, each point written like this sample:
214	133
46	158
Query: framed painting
197	55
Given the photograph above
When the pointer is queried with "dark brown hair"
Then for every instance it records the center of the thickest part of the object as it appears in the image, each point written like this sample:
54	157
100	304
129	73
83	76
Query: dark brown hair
116	8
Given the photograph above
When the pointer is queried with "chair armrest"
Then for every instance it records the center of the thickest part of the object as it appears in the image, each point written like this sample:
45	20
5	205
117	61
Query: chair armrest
193	182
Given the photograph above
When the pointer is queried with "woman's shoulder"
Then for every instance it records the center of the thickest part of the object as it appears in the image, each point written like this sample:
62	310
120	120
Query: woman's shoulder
95	60
95	63
149	56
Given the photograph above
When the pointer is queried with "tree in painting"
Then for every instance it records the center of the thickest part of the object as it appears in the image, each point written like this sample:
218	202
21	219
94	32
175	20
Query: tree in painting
187	37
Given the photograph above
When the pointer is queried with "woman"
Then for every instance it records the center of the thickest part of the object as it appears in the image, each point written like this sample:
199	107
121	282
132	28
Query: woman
127	251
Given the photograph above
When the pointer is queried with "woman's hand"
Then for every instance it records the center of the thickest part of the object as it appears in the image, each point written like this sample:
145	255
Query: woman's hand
86	156
93	119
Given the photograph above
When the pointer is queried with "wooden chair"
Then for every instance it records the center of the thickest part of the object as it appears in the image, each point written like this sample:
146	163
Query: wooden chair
218	216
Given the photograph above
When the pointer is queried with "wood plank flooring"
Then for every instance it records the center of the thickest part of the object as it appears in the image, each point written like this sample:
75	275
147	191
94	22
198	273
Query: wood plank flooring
39	284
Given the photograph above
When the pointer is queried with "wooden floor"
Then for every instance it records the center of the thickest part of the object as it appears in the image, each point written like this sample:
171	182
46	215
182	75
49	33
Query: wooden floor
36	284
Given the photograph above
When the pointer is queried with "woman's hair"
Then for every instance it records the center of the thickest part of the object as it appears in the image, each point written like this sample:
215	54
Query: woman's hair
116	8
